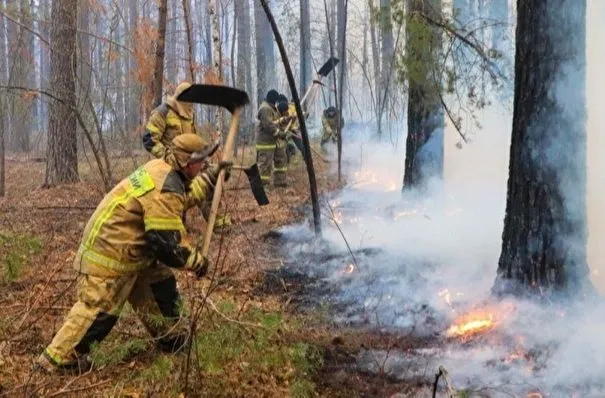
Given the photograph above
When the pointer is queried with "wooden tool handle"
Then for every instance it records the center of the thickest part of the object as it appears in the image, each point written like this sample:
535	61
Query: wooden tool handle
218	190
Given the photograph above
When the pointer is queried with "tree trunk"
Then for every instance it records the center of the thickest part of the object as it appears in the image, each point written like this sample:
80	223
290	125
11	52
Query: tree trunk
62	154
386	30
545	235
158	75
43	62
265	55
84	65
376	66
190	46
424	144
342	54
306	69
21	64
133	113
3	96
172	36
244	67
217	57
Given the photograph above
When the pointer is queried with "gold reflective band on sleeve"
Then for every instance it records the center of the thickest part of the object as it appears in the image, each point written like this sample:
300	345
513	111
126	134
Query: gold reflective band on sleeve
173	121
261	147
152	128
280	169
164	224
265	178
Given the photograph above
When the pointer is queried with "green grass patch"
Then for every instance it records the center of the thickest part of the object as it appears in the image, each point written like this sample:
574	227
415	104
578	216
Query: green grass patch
15	251
245	359
115	351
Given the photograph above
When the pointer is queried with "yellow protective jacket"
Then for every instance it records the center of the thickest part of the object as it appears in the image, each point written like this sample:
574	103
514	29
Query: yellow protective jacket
292	113
166	122
115	240
330	125
267	126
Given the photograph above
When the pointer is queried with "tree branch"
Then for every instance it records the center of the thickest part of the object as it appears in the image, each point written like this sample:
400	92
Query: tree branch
449	116
33	32
493	69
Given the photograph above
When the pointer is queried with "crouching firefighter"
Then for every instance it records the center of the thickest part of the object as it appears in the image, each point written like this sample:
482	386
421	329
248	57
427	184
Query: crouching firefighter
167	121
329	122
128	250
270	156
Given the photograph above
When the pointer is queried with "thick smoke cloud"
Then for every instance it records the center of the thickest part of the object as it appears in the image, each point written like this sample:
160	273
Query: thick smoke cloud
419	263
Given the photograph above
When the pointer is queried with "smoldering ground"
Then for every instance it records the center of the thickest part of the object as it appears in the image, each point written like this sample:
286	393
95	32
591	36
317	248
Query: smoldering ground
416	265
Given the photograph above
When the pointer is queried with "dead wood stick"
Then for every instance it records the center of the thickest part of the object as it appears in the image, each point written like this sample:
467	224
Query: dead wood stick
61	392
446	377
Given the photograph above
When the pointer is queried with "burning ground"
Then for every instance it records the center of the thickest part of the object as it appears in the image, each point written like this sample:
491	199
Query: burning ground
421	269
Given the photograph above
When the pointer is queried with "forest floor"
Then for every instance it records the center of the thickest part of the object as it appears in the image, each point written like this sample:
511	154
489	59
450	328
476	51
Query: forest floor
252	341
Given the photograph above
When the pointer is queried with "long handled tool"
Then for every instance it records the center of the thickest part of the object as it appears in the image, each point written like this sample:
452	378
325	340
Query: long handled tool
233	100
324	71
256	183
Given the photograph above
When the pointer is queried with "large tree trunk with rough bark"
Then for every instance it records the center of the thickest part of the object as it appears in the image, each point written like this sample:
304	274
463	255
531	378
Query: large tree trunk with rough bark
544	238
424	144
62	153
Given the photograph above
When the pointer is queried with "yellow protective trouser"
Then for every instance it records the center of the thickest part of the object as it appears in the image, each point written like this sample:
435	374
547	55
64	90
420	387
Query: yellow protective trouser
272	158
152	293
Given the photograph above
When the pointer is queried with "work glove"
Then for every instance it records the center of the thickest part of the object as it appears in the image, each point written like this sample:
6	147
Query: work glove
281	134
213	171
197	263
169	157
158	150
199	186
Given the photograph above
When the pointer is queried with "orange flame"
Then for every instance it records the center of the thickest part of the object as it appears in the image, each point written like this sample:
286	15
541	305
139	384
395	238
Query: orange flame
471	324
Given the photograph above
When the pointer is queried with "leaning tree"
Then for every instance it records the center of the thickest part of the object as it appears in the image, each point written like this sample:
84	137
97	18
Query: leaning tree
545	232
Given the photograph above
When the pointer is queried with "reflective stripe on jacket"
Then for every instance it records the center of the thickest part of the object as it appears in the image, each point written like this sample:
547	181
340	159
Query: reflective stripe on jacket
113	243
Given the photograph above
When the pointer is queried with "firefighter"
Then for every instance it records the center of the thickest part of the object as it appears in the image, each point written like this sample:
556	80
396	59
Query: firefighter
168	120
128	248
289	122
271	157
329	122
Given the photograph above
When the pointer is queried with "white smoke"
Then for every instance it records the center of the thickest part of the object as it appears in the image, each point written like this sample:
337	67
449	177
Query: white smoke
438	256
